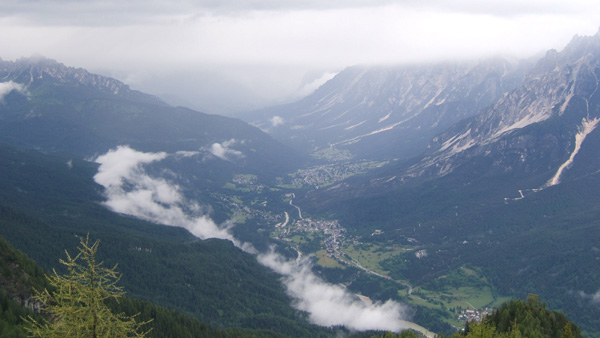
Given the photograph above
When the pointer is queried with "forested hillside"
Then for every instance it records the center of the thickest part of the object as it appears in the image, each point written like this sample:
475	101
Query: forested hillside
20	275
46	204
519	318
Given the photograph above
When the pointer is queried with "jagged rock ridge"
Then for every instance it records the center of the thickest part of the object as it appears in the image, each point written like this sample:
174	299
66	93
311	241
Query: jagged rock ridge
560	94
31	71
390	111
56	108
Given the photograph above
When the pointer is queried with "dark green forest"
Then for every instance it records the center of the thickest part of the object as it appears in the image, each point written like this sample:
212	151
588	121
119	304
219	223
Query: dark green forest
20	275
522	318
45	207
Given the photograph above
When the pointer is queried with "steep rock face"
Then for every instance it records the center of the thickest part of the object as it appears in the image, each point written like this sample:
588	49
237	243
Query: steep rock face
533	129
390	111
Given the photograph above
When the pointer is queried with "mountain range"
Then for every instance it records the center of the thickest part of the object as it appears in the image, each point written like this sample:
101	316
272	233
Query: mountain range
509	190
54	108
389	112
481	172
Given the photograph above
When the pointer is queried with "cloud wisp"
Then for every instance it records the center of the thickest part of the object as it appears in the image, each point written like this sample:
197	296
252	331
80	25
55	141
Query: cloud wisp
592	298
329	304
224	150
130	190
7	87
277	121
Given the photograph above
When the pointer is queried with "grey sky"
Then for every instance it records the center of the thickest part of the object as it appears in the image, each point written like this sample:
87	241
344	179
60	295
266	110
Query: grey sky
258	51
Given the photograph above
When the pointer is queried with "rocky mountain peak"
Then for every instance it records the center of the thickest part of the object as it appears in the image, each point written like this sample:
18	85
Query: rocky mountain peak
390	111
35	70
562	87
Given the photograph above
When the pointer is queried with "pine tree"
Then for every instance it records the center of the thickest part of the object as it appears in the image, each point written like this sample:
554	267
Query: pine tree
76	307
568	332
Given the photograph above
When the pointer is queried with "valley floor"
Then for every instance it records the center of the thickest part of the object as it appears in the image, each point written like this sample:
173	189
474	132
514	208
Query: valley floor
334	248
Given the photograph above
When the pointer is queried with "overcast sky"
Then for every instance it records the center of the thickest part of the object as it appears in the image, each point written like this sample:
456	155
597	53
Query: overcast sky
259	51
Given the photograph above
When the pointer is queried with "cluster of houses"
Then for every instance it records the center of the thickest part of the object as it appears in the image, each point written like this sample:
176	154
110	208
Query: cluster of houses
470	315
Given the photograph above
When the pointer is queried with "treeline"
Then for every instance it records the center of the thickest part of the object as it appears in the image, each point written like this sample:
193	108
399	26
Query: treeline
514	319
519	318
20	275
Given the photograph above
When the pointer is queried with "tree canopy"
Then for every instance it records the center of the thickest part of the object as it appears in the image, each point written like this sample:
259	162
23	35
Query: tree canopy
76	304
519	318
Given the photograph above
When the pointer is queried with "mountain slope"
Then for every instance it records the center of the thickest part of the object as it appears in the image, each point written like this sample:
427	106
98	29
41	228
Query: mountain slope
390	111
541	124
532	136
51	107
21	276
511	191
46	202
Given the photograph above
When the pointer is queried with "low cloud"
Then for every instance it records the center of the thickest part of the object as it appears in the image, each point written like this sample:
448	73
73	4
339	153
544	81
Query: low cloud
332	305
596	298
53	11
593	298
242	55
310	87
224	150
184	153
277	121
7	87
130	190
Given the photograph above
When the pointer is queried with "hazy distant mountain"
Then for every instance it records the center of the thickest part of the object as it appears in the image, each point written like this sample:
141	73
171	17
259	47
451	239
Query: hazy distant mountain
52	107
34	71
538	134
390	111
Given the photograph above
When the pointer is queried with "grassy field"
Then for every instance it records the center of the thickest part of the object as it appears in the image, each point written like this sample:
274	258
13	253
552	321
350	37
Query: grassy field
248	177
465	297
369	255
229	185
239	219
461	289
326	261
301	238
